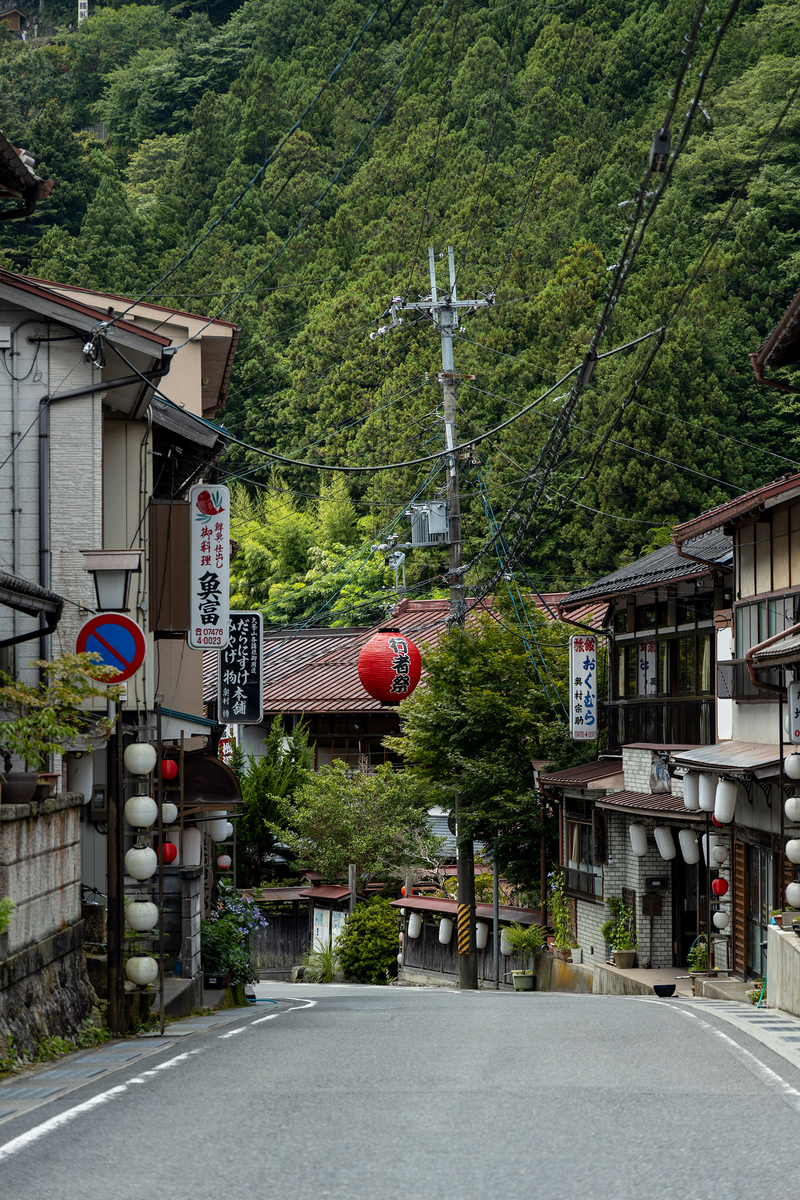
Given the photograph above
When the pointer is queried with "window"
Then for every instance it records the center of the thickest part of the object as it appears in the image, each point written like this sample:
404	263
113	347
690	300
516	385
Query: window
582	874
758	621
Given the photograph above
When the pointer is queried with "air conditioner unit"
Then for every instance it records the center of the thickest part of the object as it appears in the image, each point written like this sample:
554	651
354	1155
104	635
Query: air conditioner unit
430	524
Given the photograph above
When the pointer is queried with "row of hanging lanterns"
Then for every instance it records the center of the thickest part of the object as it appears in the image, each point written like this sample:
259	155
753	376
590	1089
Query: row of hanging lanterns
704	792
446	933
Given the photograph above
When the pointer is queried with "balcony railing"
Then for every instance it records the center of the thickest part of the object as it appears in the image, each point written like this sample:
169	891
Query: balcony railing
583	883
667	721
734	682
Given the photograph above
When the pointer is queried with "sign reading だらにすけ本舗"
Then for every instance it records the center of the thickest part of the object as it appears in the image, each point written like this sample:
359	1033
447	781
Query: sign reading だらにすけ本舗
209	516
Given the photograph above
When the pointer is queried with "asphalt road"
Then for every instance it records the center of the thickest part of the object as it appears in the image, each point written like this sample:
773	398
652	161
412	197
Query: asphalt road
416	1094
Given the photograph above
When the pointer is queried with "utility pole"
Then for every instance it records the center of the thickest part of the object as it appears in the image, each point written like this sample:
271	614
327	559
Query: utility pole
444	314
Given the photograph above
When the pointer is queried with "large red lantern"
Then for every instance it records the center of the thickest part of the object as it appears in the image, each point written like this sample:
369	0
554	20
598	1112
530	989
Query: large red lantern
719	886
389	666
169	768
168	851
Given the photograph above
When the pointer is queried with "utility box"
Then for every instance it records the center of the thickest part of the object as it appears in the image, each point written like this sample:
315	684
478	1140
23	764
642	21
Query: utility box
430	523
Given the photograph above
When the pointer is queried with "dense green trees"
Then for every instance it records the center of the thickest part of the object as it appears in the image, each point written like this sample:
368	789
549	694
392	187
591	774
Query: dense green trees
519	140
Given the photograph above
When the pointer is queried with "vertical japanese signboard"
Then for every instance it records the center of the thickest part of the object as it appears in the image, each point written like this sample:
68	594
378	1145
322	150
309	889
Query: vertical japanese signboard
647	669
241	689
209	509
793	702
583	688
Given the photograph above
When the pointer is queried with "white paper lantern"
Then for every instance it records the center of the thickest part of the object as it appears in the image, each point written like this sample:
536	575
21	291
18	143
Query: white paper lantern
725	801
791	765
228	830
664	841
141	862
169	812
719	855
691	791
141	915
689	847
139	758
415	925
192	846
793	850
224	862
142	970
505	945
713	840
638	836
793	895
708	792
481	935
400	959
141	811
445	930
217	829
792	810
721	920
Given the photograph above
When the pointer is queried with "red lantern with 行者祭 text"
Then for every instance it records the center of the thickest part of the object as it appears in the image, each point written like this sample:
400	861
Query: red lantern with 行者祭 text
389	666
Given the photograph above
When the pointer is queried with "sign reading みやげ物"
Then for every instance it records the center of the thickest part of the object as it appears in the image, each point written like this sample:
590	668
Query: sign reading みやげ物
209	516
583	688
241	700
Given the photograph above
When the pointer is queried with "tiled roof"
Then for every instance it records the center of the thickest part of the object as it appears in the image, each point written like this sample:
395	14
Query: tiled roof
648	802
315	670
752	757
743	509
586	775
326	891
664	565
782	347
787	650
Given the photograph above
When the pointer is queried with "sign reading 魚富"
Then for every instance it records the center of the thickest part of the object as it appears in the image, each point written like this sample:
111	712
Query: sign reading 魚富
209	516
583	688
241	689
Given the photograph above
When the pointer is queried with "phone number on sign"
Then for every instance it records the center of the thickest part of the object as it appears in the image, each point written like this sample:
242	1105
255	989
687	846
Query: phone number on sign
206	638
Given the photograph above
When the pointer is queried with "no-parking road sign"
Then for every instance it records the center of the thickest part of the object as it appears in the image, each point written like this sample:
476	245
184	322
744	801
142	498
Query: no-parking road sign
117	639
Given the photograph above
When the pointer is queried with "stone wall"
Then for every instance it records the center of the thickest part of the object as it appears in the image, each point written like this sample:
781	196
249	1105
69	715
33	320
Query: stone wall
44	988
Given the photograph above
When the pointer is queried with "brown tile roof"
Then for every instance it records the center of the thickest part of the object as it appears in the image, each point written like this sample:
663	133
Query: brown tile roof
326	891
787	650
743	510
648	802
589	775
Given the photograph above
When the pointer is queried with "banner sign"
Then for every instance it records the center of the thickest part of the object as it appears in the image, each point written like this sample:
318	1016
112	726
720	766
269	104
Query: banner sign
583	688
241	687
647	669
209	506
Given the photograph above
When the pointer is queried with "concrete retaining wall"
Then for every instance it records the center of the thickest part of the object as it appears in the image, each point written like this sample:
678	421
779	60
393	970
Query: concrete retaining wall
44	987
783	973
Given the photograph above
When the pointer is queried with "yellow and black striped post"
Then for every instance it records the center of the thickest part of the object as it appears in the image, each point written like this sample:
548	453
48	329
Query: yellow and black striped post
463	929
467	950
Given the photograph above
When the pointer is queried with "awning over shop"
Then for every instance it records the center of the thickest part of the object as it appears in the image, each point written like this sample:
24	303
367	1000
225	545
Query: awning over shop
732	758
174	723
648	804
787	651
600	775
208	785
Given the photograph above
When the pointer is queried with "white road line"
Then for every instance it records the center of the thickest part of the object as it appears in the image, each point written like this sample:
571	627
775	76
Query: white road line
768	1077
39	1131
232	1033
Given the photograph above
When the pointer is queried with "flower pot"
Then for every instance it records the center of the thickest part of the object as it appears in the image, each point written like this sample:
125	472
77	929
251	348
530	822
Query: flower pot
523	981
46	784
624	959
577	954
778	919
564	955
19	787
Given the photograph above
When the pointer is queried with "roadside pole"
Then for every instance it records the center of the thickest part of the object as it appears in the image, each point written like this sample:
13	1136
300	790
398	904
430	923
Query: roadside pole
444	314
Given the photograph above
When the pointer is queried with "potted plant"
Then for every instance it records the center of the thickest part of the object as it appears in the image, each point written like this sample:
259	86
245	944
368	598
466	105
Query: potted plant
225	939
698	957
46	718
577	953
619	933
526	941
777	917
559	909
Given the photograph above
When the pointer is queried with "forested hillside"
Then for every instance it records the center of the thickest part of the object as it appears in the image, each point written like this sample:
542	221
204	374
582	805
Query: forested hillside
517	132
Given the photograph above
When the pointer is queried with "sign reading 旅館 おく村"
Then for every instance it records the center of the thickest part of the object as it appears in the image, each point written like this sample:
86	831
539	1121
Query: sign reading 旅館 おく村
583	688
209	509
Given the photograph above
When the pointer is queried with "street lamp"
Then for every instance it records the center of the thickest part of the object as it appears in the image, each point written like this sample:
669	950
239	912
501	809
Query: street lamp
112	570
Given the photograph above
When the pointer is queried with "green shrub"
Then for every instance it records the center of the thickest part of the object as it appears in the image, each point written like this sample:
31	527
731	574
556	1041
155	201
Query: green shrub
321	963
225	947
368	944
527	940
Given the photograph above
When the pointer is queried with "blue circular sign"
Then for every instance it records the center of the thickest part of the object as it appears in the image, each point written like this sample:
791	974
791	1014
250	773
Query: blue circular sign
117	639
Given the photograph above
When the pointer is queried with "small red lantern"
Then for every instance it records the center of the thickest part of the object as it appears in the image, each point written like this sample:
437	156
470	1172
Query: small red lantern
168	851
169	768
719	886
403	891
389	666
719	824
224	861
